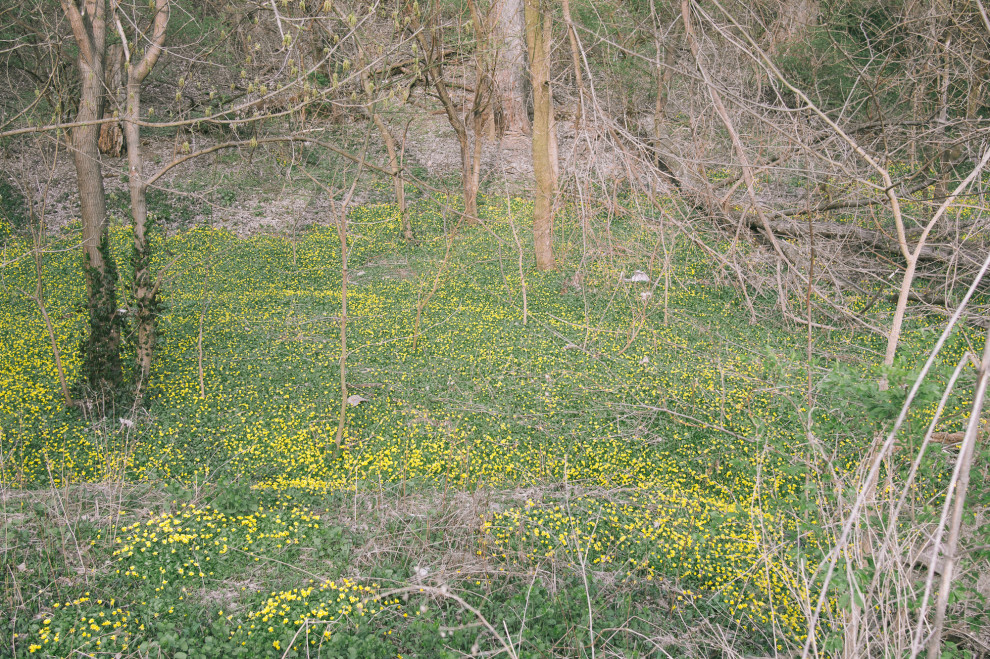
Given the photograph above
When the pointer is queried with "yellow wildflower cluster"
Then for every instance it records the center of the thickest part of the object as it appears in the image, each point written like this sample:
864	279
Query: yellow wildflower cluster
317	610
189	543
702	542
687	425
86	625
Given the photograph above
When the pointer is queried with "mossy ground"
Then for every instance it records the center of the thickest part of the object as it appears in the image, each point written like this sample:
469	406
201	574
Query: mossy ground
595	458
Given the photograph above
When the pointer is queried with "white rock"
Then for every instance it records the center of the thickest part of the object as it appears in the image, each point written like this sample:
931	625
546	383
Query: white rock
354	399
639	277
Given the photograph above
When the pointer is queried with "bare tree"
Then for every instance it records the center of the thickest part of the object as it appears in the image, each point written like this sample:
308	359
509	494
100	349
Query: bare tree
391	149
431	42
538	36
102	350
150	42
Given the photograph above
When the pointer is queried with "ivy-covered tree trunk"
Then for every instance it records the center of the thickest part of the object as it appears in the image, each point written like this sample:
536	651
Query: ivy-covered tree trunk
145	290
101	349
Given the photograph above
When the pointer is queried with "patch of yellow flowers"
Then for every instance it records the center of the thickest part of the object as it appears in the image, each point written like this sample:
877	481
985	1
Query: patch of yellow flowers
189	543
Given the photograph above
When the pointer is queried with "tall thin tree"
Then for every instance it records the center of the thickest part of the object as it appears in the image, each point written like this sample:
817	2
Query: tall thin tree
537	41
145	292
101	349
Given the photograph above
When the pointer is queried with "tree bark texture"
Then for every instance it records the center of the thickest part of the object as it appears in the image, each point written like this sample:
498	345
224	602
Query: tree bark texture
145	291
511	115
111	140
537	34
101	362
483	90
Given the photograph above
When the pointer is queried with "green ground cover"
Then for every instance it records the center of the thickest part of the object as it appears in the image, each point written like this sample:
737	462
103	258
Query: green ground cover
648	461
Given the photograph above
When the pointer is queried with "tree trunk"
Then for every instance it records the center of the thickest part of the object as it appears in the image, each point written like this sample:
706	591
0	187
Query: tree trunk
510	75
537	32
482	101
390	147
393	165
469	181
553	151
902	299
944	160
101	361
572	40
342	234
111	140
145	291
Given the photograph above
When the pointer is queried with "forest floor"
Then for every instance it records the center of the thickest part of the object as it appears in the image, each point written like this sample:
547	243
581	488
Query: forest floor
624	470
